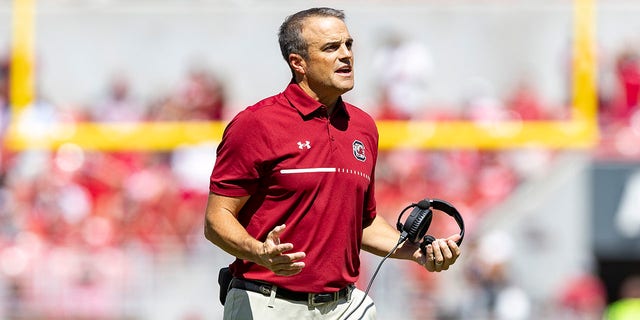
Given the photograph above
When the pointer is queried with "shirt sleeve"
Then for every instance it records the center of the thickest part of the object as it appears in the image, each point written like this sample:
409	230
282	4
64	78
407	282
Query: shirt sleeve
370	210
239	157
370	207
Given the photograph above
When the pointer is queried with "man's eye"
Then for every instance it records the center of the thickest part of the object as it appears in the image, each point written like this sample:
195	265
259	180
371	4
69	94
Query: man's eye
332	48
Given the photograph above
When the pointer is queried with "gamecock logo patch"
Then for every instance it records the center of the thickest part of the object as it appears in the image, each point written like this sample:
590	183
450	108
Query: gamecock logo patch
358	150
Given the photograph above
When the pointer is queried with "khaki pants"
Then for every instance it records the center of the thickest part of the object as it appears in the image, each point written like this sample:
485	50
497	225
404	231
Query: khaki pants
248	305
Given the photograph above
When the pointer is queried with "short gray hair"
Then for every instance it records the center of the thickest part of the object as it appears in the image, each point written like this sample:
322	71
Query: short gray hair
290	35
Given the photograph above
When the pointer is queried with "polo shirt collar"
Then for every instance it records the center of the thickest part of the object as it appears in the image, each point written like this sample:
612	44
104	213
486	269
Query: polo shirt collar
304	103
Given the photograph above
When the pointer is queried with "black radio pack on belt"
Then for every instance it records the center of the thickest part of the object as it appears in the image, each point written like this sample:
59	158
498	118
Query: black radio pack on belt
419	220
224	280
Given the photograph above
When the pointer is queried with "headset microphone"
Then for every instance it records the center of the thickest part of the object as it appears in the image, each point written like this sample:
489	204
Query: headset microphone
423	204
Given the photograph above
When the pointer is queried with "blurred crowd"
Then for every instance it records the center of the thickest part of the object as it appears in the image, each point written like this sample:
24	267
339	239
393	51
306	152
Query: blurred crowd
619	95
70	219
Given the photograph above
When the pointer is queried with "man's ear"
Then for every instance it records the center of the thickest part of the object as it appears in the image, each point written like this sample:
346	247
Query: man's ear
297	63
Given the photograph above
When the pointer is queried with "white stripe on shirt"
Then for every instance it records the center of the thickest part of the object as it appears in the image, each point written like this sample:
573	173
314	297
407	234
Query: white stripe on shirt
307	170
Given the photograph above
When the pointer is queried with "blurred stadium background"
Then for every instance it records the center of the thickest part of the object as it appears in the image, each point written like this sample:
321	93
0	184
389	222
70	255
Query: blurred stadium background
522	113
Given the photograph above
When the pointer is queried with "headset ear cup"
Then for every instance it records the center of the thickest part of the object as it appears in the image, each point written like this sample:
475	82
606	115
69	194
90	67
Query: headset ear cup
417	224
427	240
414	229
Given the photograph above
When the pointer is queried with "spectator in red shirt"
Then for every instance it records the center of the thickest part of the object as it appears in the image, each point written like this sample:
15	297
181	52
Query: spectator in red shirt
628	74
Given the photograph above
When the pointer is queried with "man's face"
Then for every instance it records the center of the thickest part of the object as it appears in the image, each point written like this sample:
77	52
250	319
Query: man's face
329	67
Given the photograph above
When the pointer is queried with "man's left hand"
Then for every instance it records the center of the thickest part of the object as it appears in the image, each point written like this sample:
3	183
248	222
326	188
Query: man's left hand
440	255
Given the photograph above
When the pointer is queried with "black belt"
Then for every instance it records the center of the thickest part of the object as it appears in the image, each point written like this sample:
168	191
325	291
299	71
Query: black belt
311	298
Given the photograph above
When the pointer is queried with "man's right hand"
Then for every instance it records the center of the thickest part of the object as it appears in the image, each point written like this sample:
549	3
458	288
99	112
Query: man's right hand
273	257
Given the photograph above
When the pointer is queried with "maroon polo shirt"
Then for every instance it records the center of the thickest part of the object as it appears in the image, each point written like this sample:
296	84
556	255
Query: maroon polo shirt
313	173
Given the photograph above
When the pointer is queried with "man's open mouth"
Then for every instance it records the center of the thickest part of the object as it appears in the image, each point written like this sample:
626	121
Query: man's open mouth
345	69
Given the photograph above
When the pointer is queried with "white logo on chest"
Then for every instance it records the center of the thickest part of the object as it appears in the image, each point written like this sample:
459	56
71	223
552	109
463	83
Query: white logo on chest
306	144
359	151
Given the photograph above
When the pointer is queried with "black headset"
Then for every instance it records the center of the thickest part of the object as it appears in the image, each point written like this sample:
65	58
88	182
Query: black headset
414	229
419	220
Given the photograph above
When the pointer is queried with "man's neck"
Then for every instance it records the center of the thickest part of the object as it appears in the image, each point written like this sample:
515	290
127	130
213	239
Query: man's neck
327	101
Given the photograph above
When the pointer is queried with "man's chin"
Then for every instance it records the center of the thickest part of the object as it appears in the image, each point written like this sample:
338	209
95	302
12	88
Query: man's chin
345	87
345	90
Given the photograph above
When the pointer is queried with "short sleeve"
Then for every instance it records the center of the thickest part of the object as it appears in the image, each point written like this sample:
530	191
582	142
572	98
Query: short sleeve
370	212
239	157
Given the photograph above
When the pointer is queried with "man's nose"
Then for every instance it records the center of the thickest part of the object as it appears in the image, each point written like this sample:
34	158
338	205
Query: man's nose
345	52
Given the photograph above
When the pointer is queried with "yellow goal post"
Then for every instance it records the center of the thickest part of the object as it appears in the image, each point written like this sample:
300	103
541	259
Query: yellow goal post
580	131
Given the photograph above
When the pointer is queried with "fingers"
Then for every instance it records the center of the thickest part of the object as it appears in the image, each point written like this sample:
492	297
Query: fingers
430	262
272	246
273	251
274	235
286	264
441	254
453	246
289	258
274	258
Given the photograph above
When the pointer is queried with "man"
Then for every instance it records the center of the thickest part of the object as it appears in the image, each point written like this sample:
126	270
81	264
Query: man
292	189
